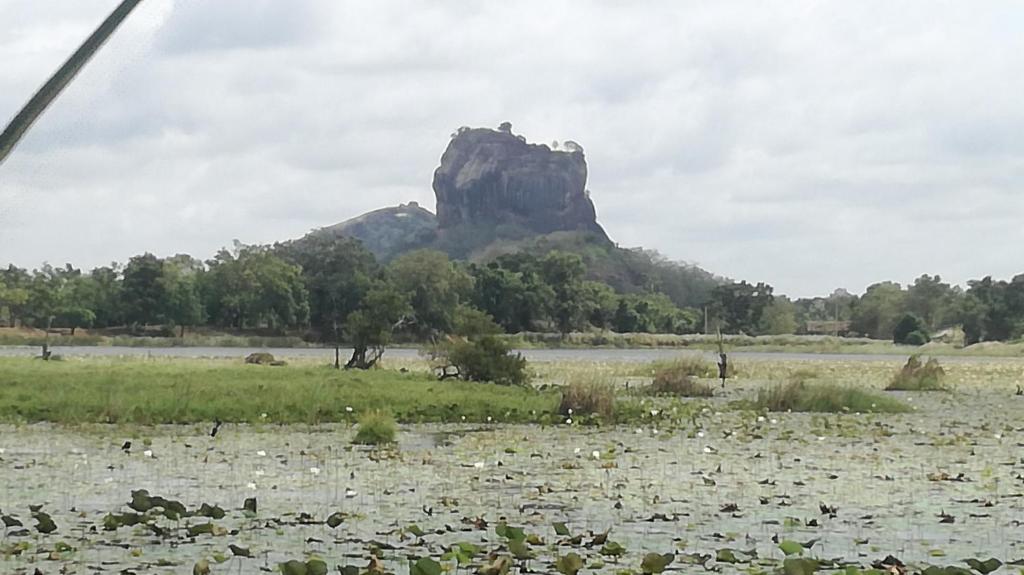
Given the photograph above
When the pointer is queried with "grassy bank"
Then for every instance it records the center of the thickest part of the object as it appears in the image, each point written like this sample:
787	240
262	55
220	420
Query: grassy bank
537	340
146	391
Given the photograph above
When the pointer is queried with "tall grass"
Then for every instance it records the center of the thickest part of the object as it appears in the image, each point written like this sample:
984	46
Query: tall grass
680	379
915	376
588	397
152	391
376	428
825	398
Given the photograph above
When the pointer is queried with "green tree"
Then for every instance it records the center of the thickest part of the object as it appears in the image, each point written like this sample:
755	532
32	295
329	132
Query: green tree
14	295
143	290
182	275
600	304
371	326
778	318
511	291
563	273
254	287
910	330
103	289
338	273
436	288
932	300
876	312
738	307
988	298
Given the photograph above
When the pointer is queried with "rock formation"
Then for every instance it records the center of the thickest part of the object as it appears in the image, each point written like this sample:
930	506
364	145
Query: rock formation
389	232
494	177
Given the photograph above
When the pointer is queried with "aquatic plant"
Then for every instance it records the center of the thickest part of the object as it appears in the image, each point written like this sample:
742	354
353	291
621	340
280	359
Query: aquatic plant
376	428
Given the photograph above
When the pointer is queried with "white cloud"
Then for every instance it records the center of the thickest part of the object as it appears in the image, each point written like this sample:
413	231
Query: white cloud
809	145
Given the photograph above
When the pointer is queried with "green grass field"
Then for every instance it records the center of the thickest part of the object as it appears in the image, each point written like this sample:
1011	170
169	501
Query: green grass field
154	391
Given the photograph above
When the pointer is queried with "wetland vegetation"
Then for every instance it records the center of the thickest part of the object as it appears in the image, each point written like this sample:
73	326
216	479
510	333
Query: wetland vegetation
648	483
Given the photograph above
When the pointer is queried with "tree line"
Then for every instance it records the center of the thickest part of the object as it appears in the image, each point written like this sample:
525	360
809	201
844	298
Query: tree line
333	289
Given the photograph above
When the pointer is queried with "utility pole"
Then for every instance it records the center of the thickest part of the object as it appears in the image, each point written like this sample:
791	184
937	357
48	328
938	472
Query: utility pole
56	84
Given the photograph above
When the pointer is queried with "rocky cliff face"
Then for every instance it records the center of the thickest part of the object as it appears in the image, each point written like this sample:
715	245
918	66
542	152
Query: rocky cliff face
494	177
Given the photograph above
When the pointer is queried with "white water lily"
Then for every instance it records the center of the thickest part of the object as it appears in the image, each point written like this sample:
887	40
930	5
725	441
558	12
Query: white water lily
568	421
708	449
998	436
251	485
348	408
488	419
263	415
261	453
654	413
700	434
654	431
595	454
350	493
577	451
760	419
821	438
570	411
314	470
259	473
774	421
639	431
148	453
479	465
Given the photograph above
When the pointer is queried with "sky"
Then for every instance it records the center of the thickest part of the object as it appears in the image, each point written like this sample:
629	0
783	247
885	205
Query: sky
808	144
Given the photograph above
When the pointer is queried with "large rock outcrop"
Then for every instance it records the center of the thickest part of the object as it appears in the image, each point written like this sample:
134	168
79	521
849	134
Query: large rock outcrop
493	177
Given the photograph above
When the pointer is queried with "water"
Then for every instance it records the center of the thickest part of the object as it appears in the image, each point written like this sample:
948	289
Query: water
535	355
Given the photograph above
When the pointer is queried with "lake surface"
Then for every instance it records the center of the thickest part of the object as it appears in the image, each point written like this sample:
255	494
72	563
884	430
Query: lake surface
536	355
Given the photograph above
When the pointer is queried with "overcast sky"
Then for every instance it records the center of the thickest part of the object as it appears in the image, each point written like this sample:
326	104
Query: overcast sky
808	144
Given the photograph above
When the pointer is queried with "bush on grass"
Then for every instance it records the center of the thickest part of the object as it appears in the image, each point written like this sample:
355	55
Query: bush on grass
825	398
376	428
915	376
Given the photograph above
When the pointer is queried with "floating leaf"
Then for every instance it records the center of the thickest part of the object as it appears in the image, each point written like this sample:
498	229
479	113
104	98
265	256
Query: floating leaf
790	547
612	549
335	519
293	567
425	566
569	564
10	521
239	551
211	511
44	523
654	563
519	549
561	529
498	566
202	567
799	566
504	530
984	567
249	507
415	530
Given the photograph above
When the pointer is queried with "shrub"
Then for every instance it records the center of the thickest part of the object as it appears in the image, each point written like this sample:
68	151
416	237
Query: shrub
675	380
588	398
486	359
916	338
691	366
915	376
825	398
376	428
910	330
